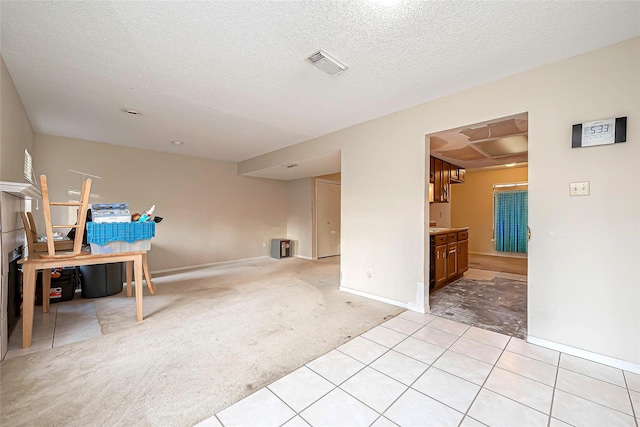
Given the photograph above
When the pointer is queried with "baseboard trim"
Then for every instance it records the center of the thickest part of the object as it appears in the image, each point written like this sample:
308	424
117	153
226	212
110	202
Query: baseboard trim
303	257
211	264
406	305
578	352
510	255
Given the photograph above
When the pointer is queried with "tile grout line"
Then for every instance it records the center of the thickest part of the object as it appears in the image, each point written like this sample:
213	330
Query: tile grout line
553	392
633	409
502	395
368	365
55	325
431	365
466	413
503	350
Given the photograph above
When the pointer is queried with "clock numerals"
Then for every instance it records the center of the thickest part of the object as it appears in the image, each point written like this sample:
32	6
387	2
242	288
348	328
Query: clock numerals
599	132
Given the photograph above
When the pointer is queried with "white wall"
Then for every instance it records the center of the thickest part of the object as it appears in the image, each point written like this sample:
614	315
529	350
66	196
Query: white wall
583	279
299	216
210	213
583	256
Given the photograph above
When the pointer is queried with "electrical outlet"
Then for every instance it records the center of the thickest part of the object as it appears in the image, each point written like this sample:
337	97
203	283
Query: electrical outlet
369	273
264	244
579	188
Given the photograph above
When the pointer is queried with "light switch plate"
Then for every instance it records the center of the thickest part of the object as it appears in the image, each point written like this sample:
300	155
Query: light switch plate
579	188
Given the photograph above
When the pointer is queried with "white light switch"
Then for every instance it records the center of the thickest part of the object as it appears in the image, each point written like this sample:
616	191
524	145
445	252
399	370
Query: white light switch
579	188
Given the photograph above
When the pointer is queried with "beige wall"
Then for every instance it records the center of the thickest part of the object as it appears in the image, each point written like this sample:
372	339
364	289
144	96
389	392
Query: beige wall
210	213
15	130
299	216
583	278
472	205
441	213
15	135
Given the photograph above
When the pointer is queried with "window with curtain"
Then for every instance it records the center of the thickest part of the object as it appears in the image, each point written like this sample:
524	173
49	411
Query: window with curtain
510	220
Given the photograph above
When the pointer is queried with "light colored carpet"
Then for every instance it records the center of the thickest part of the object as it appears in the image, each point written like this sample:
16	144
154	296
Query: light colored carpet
210	337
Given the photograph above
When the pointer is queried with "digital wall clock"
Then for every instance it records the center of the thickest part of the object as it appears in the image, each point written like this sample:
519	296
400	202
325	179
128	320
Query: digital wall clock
599	132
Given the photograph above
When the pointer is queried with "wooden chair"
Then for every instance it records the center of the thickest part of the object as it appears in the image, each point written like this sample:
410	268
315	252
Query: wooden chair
134	260
33	245
79	226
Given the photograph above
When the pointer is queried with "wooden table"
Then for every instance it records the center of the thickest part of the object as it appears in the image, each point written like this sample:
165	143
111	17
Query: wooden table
34	262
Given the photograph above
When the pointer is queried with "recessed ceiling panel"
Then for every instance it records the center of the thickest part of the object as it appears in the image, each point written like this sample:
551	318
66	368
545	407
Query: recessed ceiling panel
466	154
504	146
436	143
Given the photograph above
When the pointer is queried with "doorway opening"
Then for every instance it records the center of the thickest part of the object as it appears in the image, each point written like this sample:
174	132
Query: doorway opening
484	206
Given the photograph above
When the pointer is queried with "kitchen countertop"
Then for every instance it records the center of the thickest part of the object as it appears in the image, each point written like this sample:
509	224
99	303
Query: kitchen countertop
444	230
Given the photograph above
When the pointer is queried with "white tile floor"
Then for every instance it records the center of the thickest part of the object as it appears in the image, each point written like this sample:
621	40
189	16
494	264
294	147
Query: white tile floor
413	370
422	370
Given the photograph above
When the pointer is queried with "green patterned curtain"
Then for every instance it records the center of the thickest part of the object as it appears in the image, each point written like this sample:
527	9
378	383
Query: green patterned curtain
511	208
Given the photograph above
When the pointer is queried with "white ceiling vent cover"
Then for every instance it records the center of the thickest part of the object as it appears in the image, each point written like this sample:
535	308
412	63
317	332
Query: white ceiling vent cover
326	63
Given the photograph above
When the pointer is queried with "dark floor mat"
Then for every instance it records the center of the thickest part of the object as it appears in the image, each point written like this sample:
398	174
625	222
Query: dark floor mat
498	305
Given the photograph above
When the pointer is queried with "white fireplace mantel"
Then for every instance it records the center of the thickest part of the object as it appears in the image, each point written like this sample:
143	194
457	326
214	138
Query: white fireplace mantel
23	190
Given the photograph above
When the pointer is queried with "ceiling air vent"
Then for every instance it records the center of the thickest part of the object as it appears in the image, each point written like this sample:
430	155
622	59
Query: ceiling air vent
326	63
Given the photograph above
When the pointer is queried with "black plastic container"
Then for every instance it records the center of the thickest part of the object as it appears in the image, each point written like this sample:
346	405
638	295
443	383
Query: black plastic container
62	288
101	280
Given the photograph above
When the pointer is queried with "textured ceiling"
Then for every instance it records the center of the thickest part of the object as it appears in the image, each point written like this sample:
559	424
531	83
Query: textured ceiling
230	78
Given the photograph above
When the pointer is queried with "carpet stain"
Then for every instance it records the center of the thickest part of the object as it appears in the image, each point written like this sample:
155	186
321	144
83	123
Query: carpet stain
210	337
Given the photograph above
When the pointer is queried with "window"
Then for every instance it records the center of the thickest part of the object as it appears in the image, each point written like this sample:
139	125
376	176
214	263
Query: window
28	167
510	220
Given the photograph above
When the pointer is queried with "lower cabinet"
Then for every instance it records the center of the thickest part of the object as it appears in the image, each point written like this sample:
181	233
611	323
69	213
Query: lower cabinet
452	260
463	255
440	265
449	257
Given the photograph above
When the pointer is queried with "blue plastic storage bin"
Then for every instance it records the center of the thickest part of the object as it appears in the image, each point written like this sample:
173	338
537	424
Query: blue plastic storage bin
104	233
115	237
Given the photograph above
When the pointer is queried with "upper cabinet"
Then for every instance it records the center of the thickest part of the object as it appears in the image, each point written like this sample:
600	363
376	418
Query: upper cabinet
441	175
457	174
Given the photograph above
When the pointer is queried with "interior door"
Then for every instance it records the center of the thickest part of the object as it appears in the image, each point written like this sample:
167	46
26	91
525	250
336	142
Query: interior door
327	219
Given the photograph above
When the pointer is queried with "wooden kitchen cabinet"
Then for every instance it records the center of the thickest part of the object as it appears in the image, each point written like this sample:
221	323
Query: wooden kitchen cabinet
446	171
463	256
437	181
452	260
452	255
432	169
457	175
441	265
449	256
442	174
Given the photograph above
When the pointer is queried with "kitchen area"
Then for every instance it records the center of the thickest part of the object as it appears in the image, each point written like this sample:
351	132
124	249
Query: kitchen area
449	247
470	280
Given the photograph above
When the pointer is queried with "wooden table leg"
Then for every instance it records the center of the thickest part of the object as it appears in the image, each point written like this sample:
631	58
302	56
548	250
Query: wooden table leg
28	297
46	288
147	276
137	267
128	266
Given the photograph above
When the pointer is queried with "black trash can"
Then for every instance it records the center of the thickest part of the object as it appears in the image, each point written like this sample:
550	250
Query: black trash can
101	280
